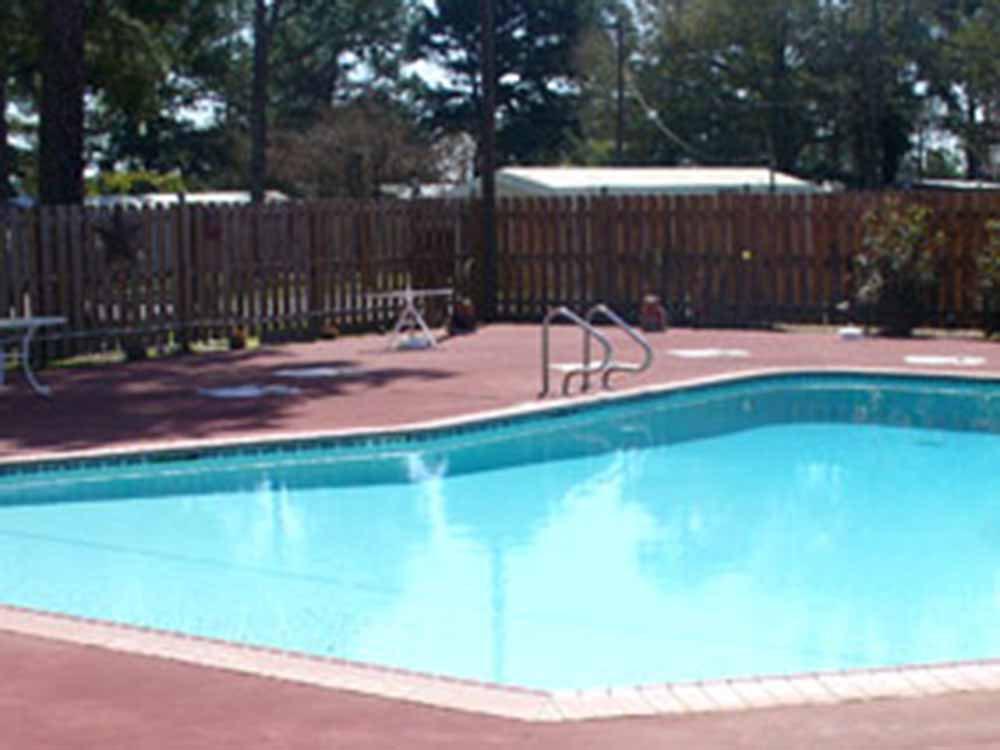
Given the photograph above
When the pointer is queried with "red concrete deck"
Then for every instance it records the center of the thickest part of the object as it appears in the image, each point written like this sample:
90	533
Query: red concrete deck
157	401
59	695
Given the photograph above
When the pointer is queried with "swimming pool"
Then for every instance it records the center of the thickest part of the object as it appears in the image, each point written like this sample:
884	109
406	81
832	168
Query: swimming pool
775	525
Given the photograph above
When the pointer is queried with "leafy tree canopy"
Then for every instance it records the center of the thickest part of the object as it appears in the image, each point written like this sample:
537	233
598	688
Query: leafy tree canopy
841	89
538	90
351	151
826	89
151	66
330	50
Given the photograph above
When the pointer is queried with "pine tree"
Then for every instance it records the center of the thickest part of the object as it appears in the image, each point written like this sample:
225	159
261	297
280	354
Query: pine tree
537	83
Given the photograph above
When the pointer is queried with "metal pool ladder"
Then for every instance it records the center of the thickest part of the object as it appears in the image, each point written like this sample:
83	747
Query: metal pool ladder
613	366
607	365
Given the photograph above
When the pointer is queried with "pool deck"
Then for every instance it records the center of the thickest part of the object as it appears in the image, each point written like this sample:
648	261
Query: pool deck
67	690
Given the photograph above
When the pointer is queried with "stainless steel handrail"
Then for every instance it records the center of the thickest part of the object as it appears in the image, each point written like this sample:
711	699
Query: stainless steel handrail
585	369
613	367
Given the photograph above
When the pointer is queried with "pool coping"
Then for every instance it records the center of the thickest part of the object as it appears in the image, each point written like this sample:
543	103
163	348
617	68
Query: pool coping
525	704
178	449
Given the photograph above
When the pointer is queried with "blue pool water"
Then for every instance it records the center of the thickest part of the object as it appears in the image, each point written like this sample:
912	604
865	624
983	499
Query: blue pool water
785	524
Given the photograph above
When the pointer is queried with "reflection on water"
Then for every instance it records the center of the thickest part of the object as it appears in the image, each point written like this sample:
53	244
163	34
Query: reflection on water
721	558
772	548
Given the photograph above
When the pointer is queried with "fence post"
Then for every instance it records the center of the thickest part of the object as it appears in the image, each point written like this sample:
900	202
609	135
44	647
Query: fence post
7	218
39	300
488	256
313	316
471	215
607	223
184	270
594	249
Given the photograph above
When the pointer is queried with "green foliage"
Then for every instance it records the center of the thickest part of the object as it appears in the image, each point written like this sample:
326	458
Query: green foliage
988	279
964	74
151	65
537	82
349	152
596	60
943	164
833	89
125	54
204	155
744	70
328	51
897	268
20	47
592	152
829	90
307	54
135	183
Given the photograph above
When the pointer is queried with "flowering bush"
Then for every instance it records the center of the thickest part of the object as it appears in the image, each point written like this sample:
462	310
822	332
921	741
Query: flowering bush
988	279
897	269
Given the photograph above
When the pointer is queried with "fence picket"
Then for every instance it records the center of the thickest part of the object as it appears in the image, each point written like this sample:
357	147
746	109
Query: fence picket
733	259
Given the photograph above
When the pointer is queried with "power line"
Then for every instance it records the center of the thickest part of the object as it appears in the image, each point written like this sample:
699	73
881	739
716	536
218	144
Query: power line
653	116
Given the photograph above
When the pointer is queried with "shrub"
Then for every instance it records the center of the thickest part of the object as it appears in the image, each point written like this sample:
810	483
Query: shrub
897	268
135	183
988	279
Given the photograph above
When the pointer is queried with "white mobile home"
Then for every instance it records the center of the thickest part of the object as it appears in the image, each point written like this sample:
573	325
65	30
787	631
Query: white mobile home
590	181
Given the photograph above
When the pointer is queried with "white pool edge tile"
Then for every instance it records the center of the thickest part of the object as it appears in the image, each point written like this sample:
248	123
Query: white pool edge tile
667	699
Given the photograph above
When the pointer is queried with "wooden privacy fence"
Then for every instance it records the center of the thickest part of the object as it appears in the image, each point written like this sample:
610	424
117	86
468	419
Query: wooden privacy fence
728	259
189	272
128	277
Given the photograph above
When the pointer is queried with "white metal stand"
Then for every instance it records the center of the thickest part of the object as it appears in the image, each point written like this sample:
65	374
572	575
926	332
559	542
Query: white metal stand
410	319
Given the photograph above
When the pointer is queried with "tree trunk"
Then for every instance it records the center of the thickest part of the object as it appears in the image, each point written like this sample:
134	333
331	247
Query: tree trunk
971	154
782	141
4	156
487	148
8	57
263	29
60	168
870	152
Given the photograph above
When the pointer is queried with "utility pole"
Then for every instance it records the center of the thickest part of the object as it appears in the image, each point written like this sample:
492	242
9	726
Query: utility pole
488	158
618	26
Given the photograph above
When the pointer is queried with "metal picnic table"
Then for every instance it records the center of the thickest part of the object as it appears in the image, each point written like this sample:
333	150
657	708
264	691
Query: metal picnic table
25	328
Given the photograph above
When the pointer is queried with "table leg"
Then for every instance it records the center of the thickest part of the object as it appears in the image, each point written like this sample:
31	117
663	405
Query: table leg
29	375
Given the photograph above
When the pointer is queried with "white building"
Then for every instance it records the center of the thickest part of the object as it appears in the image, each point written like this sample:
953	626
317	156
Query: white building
590	181
955	184
151	200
